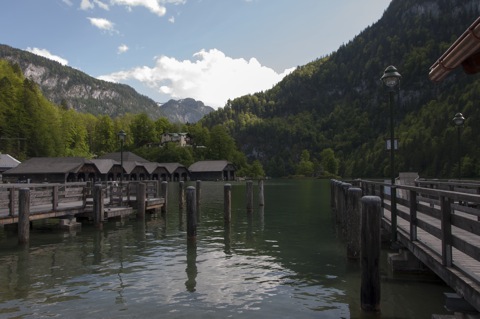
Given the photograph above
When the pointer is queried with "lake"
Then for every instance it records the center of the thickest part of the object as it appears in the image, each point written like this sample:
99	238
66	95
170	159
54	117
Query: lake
284	260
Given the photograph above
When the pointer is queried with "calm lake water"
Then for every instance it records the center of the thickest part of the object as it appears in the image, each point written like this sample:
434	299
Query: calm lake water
285	260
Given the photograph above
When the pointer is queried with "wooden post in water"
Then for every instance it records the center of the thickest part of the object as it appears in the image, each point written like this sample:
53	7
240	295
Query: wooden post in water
165	196
249	196
370	253
23	215
191	214
98	207
227	203
141	196
353	222
198	187
261	197
181	194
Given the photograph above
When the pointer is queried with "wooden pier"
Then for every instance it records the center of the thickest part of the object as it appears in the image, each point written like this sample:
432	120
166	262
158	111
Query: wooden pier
438	222
76	200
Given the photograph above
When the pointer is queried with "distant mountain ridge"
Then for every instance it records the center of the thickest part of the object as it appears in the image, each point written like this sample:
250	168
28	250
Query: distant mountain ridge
185	110
71	88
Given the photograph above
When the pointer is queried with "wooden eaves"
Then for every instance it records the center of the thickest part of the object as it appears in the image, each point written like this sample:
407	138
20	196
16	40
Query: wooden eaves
464	51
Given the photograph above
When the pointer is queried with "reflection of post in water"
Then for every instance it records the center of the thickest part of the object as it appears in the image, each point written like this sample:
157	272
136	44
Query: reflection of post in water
191	270
181	220
261	216
249	227
97	247
227	238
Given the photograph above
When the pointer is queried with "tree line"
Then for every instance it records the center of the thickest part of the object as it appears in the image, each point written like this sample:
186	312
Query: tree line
32	126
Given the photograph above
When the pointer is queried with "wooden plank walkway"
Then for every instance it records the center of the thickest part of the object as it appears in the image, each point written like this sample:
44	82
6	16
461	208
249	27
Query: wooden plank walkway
438	226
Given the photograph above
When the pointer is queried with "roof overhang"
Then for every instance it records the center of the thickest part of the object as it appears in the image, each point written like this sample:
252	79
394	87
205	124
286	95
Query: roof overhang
464	51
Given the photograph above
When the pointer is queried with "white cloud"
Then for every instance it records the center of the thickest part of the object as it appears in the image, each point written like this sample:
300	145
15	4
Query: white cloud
171	19
86	4
211	77
122	49
68	2
152	5
102	24
90	4
46	54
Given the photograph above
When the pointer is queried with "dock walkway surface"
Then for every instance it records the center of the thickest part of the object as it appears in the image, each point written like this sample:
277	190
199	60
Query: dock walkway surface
71	200
437	222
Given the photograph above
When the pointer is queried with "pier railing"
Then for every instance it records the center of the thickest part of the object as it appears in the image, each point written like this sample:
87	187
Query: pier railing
444	224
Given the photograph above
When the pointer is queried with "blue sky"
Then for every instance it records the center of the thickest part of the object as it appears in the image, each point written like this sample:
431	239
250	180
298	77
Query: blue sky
209	50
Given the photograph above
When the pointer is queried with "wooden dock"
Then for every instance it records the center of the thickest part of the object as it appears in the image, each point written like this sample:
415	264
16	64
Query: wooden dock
74	200
438	224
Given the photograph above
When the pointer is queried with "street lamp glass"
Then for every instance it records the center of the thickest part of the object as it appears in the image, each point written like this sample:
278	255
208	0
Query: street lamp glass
459	119
122	135
391	77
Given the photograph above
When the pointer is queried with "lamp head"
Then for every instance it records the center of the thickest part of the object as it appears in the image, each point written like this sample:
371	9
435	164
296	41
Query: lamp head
391	77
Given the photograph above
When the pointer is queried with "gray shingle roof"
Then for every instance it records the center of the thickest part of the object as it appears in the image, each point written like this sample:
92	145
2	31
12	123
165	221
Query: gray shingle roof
7	161
49	165
208	166
127	157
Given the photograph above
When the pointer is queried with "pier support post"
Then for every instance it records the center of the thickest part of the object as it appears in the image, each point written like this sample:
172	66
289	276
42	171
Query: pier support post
98	205
23	215
141	196
249	196
191	214
227	203
353	222
370	253
261	197
165	196
181	194
198	187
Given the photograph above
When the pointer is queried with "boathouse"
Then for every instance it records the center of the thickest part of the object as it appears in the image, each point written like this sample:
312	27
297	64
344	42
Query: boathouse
53	170
212	171
109	170
156	171
7	162
176	172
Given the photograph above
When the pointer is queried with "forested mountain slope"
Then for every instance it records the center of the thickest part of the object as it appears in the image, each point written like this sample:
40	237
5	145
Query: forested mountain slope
74	89
339	102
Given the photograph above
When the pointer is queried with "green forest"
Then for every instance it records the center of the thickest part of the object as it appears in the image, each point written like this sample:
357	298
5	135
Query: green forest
31	126
338	103
329	117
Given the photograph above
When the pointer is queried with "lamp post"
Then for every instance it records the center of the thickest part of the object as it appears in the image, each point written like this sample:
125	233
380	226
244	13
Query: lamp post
459	120
391	78
121	136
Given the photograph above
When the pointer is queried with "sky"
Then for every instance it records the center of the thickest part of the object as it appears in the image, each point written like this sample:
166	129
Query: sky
209	50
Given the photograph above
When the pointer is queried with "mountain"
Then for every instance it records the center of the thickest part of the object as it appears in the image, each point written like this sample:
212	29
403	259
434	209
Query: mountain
72	88
338	102
185	110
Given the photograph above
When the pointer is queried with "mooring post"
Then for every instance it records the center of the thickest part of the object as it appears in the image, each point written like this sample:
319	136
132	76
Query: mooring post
141	196
353	222
227	203
165	196
98	205
261	197
249	196
181	194
198	187
346	187
370	253
191	213
23	215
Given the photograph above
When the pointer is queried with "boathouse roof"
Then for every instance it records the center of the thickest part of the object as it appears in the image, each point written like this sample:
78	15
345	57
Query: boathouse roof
172	167
127	157
50	165
209	166
7	162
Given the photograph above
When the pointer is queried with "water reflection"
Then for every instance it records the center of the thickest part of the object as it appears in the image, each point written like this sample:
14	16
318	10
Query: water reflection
281	261
191	270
